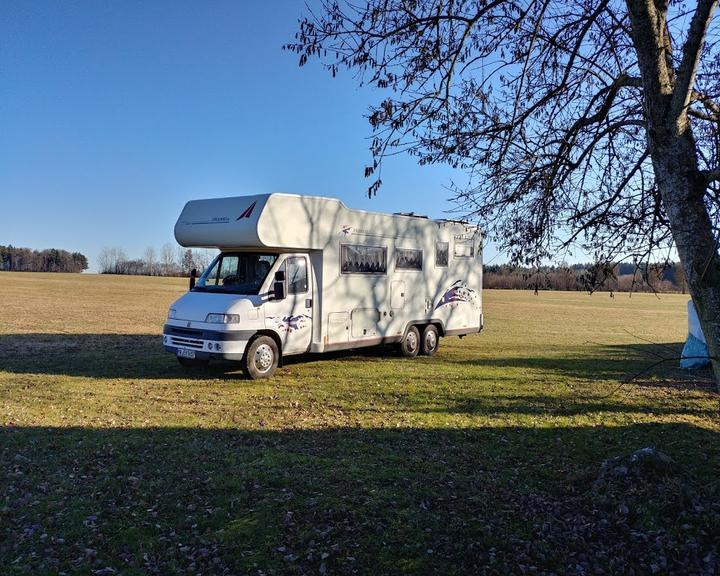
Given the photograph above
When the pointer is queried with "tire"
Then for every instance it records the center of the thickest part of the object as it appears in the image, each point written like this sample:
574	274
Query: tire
430	340
261	358
410	345
193	363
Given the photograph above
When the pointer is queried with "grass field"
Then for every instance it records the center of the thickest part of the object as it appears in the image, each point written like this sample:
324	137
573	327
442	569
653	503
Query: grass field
485	459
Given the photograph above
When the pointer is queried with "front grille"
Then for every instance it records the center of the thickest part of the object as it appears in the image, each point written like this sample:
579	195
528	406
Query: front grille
186	342
186	331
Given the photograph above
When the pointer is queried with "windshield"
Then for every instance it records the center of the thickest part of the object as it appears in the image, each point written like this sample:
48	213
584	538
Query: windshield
236	273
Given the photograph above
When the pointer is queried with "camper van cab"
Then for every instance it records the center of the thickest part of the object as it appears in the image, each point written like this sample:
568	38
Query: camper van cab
299	274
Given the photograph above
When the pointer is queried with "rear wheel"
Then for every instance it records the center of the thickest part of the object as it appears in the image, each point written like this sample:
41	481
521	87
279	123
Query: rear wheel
430	340
193	362
261	358
410	345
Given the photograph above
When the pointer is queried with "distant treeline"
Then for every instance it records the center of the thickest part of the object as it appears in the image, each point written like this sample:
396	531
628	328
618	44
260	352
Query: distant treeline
51	260
623	277
172	261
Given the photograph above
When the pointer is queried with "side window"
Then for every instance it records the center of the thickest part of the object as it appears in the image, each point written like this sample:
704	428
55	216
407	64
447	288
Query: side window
442	253
297	275
363	259
408	259
464	247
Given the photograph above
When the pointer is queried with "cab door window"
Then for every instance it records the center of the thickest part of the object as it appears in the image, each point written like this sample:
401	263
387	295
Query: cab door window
297	274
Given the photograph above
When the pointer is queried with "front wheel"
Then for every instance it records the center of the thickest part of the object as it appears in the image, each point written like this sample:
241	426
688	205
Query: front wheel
430	340
410	345
261	358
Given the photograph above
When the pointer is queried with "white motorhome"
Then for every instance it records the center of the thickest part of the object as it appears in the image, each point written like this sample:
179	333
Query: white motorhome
299	274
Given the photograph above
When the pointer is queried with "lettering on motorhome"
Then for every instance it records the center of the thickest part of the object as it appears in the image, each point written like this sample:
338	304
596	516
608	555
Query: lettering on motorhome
214	220
349	230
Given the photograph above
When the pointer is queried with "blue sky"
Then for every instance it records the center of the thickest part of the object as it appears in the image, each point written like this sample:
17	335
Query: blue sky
114	114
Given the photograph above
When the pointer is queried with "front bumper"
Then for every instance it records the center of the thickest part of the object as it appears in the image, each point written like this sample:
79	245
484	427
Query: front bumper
224	344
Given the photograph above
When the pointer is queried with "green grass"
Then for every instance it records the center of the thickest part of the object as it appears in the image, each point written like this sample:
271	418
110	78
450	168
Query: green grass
483	459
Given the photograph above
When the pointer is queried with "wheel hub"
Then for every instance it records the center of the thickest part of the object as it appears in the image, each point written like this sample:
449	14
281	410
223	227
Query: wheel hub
430	340
263	358
411	341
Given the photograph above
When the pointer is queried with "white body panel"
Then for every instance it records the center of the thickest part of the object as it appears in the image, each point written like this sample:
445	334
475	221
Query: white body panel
350	301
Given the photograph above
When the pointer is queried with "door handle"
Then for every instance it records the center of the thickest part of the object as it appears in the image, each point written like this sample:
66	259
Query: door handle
308	302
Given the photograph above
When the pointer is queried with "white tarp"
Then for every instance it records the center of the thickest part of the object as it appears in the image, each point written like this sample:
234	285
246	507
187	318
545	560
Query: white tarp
695	352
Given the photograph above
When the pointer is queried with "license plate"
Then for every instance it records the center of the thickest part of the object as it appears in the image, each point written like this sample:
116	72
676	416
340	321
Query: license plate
184	353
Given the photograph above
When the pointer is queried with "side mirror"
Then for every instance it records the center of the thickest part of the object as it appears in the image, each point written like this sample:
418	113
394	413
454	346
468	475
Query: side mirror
279	285
279	291
193	277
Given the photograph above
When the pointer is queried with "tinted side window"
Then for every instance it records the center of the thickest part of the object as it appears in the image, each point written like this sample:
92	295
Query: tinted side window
408	259
442	251
363	259
464	247
297	275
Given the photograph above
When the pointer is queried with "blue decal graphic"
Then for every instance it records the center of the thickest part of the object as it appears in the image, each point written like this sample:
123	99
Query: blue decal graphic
291	323
247	212
458	292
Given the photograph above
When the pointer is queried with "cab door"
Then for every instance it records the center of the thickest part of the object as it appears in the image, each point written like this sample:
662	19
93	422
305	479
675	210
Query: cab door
291	317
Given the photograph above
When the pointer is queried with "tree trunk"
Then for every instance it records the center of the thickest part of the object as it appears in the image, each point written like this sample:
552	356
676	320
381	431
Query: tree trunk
682	188
666	95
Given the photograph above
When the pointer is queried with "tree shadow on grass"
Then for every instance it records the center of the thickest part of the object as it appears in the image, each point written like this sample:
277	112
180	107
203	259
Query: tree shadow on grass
356	501
498	404
143	356
643	364
90	355
125	356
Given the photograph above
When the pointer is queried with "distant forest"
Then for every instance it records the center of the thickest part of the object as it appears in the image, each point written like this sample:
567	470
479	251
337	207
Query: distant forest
175	261
623	277
171	261
51	260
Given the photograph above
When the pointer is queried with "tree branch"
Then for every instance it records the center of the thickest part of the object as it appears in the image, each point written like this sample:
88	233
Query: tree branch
647	32
692	52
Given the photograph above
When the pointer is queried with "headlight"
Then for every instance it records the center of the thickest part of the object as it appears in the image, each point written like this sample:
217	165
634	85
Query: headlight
171	313
222	318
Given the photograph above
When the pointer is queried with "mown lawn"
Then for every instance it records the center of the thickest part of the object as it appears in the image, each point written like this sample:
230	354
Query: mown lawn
485	459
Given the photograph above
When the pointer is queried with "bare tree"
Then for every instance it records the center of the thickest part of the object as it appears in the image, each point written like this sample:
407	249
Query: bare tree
202	258
104	260
168	259
180	255
118	258
150	258
580	123
110	260
188	261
